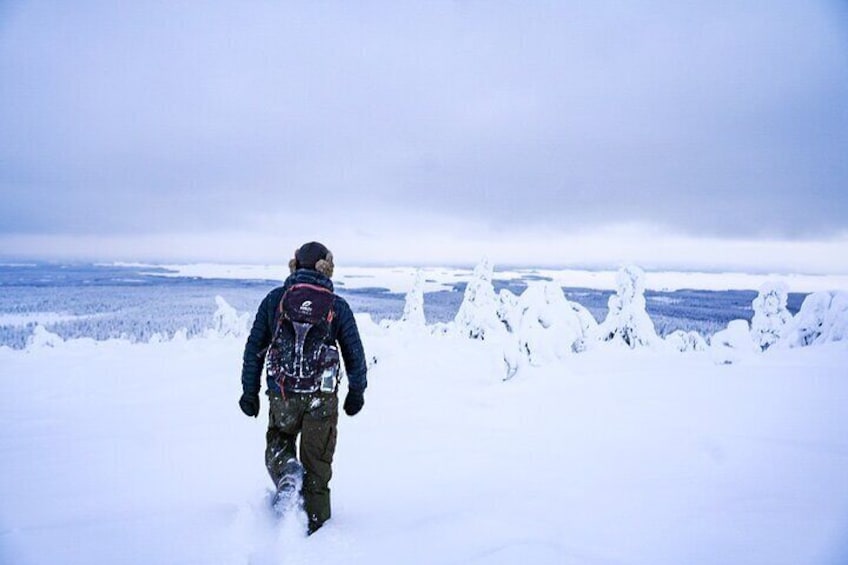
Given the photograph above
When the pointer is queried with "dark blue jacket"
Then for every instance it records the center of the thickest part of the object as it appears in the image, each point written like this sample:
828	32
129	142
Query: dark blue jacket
343	330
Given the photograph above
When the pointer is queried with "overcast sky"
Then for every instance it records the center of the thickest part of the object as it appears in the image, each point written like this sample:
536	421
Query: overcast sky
425	131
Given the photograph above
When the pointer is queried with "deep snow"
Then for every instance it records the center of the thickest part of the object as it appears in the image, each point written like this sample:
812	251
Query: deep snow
137	453
596	450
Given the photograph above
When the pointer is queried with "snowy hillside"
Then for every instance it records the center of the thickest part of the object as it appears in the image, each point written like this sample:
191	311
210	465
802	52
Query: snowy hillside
523	431
137	453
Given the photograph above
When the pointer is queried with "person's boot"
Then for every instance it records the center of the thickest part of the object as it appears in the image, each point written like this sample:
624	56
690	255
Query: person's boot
289	486
314	526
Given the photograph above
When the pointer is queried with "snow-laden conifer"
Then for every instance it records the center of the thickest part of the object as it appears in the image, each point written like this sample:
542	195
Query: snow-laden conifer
627	321
43	338
807	326
547	327
477	317
508	309
823	317
836	321
413	308
771	318
412	319
589	325
227	322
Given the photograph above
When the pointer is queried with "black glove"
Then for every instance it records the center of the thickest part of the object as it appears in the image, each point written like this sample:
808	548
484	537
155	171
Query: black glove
249	404
353	402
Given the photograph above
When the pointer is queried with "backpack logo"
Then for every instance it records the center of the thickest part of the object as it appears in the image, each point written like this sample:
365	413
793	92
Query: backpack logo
306	307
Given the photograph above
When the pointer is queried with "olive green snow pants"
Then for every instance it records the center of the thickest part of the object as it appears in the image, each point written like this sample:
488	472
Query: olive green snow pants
315	416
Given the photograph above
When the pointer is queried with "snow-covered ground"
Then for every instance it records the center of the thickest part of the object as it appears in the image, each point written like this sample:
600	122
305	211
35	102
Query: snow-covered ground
522	431
115	452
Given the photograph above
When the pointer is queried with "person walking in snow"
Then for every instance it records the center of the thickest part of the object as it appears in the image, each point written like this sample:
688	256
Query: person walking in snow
298	332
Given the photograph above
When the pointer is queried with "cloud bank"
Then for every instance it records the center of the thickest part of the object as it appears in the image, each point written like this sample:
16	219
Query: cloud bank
402	122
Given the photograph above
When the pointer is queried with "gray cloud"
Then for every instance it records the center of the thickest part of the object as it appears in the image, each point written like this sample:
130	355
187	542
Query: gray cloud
727	119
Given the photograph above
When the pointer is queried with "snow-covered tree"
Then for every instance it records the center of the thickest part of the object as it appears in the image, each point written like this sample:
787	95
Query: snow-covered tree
823	317
546	328
627	321
836	321
477	317
587	323
771	318
226	321
686	341
413	318
42	338
508	309
733	343
413	308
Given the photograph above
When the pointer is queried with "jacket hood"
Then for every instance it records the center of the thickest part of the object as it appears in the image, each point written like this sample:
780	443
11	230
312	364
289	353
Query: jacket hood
308	276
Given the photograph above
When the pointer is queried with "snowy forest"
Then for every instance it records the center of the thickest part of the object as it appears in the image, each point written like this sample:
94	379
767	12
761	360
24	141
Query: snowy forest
534	326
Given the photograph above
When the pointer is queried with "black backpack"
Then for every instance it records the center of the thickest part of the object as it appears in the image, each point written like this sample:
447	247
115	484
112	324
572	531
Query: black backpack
302	357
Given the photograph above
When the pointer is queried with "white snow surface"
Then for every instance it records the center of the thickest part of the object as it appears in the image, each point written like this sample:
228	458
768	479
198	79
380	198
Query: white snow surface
115	452
733	343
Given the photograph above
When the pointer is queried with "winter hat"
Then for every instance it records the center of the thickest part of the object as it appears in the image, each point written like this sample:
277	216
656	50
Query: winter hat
315	256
